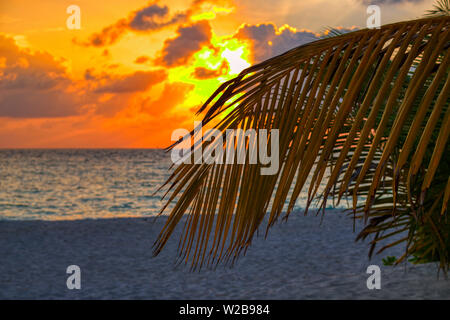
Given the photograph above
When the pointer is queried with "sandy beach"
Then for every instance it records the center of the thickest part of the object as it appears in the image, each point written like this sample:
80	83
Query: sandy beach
300	259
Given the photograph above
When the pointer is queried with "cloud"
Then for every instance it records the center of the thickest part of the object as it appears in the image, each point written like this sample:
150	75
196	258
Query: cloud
107	36
137	81
150	18
268	41
142	59
205	73
154	17
190	39
113	93
34	84
36	104
140	122
23	69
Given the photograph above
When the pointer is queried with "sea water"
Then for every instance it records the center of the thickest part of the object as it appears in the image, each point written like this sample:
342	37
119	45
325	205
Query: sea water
67	184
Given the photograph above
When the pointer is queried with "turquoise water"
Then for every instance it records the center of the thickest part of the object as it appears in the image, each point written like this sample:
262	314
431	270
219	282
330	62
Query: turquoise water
66	184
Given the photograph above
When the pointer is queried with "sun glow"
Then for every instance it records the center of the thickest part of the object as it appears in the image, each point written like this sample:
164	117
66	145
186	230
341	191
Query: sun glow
235	60
235	52
222	60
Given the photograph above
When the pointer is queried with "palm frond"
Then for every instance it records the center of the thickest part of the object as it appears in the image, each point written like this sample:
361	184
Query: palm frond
370	107
331	32
442	7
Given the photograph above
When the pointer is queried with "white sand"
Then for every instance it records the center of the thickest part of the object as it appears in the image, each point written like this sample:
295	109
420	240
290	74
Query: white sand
300	260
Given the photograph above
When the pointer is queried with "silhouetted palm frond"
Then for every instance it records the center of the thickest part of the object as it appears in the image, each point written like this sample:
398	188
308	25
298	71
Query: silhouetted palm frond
441	8
370	107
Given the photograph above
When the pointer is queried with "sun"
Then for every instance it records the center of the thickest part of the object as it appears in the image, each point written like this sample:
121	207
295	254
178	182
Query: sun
235	59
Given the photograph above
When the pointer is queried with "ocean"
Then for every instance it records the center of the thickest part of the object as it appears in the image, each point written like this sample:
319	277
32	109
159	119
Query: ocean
69	184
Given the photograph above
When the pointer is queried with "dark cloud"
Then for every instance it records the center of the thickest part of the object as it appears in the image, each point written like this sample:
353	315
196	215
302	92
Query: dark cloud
267	41
107	36
190	39
38	104
150	18
34	84
154	17
21	69
205	73
137	81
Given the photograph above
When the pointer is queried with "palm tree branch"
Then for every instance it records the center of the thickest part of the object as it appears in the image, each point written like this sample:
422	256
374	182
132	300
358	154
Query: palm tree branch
352	104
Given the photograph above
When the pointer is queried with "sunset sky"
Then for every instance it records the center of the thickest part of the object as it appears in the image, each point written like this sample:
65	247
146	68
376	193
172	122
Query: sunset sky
138	69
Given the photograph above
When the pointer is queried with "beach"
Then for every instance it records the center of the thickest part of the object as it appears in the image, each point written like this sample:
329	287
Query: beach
300	259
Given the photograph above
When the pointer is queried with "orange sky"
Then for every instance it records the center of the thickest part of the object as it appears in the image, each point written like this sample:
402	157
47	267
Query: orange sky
137	70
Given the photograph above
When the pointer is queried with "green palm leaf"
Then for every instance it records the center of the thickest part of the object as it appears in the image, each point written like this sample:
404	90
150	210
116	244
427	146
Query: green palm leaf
366	113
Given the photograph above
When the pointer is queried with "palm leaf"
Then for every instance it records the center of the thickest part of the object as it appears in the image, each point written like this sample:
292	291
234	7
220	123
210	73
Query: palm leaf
369	107
442	7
